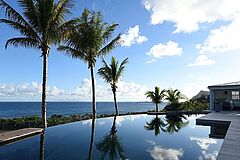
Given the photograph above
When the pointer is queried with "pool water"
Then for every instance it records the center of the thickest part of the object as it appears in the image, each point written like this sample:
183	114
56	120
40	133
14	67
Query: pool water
136	137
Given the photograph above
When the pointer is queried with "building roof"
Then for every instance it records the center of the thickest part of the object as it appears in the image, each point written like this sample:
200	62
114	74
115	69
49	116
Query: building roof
231	85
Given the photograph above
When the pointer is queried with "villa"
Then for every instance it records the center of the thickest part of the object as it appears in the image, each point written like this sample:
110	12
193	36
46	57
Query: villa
225	96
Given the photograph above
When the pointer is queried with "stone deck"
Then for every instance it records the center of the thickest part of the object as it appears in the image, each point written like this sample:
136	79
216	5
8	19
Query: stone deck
230	149
10	136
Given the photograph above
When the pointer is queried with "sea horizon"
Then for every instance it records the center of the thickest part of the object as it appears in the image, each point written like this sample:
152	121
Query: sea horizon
25	109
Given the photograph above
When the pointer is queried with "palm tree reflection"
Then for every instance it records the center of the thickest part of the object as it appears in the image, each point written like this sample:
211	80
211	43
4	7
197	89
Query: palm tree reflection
42	142
175	122
92	139
110	145
155	124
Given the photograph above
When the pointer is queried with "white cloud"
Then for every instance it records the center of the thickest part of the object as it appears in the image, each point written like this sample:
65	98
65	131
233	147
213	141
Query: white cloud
187	15
24	89
202	60
151	61
159	153
32	91
162	50
203	143
223	39
133	37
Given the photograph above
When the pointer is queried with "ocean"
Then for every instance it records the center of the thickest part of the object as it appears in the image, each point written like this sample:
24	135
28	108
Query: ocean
22	109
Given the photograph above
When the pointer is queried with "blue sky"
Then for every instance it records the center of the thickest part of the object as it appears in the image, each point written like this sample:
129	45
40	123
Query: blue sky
170	43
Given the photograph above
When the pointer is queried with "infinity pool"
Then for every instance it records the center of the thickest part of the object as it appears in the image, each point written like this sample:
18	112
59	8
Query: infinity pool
138	137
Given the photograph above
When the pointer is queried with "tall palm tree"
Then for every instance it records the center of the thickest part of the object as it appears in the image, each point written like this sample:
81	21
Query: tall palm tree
111	145
173	97
42	24
112	74
88	40
156	124
156	96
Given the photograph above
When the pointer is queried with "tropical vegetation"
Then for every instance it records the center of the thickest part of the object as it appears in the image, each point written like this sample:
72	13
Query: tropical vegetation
156	96
42	24
174	97
192	105
112	74
89	39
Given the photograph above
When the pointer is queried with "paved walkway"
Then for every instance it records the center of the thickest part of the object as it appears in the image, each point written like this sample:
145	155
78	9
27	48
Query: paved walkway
230	149
18	134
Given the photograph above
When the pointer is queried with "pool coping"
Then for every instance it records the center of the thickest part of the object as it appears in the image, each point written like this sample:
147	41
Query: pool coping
12	136
231	144
179	112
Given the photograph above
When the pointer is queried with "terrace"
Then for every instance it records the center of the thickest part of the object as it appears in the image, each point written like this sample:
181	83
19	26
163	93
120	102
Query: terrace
231	144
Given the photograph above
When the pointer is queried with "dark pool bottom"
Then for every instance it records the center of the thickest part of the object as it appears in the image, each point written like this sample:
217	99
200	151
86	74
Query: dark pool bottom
137	137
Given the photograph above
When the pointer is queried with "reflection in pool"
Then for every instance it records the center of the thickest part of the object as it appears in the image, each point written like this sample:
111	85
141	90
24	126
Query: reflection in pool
123	137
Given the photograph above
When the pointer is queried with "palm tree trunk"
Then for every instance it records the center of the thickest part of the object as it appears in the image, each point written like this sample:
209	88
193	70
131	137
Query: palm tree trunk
42	141
114	121
93	92
44	86
92	140
114	124
115	99
156	107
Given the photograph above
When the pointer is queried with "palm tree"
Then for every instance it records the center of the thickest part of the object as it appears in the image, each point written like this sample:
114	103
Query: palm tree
111	74
111	145
173	97
88	40
156	124
92	139
42	24
156	96
174	123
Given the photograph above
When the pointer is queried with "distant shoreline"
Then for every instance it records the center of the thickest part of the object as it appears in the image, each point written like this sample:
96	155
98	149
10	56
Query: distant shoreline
9	124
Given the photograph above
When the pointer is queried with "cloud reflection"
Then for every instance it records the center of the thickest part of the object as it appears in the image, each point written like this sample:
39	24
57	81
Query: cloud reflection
208	156
121	119
203	143
159	153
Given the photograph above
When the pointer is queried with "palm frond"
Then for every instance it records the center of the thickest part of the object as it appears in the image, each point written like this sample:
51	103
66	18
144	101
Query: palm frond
110	46
12	14
156	96
23	41
107	34
31	12
61	10
105	72
69	51
121	68
21	28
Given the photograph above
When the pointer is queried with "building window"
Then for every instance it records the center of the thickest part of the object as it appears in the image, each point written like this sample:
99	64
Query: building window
235	94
